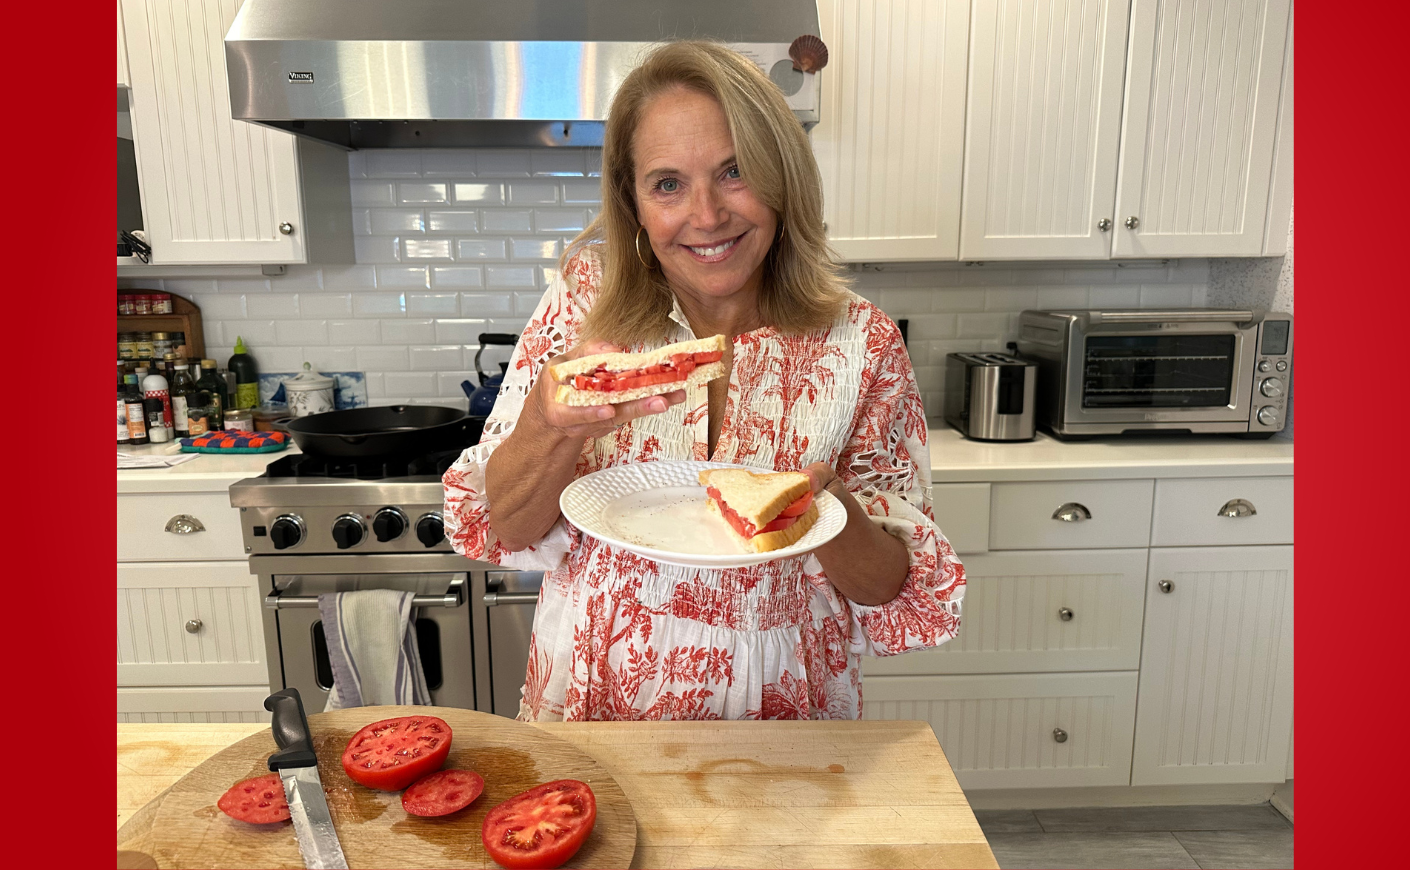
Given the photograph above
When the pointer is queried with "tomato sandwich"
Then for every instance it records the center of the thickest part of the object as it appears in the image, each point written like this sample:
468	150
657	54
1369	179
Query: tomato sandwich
767	511
612	378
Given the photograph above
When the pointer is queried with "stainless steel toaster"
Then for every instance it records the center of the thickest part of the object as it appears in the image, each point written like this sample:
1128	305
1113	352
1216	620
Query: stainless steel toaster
989	396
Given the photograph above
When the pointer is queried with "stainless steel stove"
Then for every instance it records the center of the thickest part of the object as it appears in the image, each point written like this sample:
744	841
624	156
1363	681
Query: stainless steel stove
314	525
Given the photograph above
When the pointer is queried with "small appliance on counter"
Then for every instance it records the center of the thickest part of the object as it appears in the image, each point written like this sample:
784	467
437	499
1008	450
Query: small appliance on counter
990	396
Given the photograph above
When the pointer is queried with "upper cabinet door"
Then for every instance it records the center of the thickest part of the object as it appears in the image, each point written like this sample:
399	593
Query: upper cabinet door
124	79
1200	125
890	142
1042	136
214	190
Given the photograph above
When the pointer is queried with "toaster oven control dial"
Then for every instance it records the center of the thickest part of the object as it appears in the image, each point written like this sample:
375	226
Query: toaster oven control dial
1268	416
286	531
389	524
348	531
1271	387
430	530
1265	365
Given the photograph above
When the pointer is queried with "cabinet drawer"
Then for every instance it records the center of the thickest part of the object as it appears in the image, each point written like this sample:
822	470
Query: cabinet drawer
142	519
998	731
962	513
1102	513
189	624
1191	512
193	704
1013	616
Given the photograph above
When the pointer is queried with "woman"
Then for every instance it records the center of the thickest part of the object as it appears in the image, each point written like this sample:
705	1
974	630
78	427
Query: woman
711	222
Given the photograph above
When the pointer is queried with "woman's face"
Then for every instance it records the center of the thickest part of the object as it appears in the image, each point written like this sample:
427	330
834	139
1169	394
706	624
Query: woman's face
709	232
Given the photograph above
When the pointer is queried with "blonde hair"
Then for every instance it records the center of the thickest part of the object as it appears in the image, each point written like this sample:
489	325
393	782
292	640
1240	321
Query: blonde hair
803	288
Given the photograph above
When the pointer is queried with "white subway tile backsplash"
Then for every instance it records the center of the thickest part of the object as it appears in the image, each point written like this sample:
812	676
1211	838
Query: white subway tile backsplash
325	304
982	325
189	286
272	305
503	163
448	162
362	221
408	331
486	304
435	304
456	276
454	222
1104	274
526	301
594	162
216	307
393	163
302	331
588	192
377	249
567	161
529	193
1165	295
403	276
479	193
927	327
448	384
243	285
959	300
535	249
280	359
1116	296
560	220
332	359
349	277
422	192
298	277
510	277
379	304
376	391
355	333
409	384
459	331
899	302
254	331
390	221
1010	298
383	359
506	220
372	193
437	358
480	249
427	249
1050	298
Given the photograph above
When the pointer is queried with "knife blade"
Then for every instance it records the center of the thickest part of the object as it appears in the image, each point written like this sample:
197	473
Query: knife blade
297	765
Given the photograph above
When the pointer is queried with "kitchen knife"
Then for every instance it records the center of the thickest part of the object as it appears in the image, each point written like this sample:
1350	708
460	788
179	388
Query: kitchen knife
298	769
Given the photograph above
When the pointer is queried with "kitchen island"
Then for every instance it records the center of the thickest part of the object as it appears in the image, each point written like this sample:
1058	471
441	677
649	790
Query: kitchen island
705	794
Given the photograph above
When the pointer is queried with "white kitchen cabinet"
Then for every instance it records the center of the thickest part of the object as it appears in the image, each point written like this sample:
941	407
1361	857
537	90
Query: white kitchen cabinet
1199	126
890	142
124	78
1020	730
1076	514
216	190
1064	610
173	526
193	704
1043	128
1210	511
1215	701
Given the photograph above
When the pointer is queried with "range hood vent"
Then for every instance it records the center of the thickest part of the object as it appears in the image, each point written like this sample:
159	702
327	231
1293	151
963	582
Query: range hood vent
480	73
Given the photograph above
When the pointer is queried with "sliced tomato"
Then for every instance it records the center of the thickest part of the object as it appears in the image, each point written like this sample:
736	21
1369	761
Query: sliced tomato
580	382
708	356
778	524
686	367
799	506
542	827
678	358
655	370
442	793
258	801
393	753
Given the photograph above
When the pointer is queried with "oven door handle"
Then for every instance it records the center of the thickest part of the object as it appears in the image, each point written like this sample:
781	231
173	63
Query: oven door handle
494	599
1172	316
277	602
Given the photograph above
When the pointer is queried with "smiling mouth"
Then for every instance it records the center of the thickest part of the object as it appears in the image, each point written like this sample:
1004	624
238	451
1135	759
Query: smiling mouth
715	250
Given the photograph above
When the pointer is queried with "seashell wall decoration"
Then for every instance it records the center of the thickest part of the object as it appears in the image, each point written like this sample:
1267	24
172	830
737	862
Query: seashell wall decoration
808	53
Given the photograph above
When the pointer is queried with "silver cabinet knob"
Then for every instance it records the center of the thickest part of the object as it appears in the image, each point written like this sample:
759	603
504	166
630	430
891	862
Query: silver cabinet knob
184	524
1104	224
1072	512
1065	614
193	626
1166	586
1237	507
1059	735
1132	222
286	228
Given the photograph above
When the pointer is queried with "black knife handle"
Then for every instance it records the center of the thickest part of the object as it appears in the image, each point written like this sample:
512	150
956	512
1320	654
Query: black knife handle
290	731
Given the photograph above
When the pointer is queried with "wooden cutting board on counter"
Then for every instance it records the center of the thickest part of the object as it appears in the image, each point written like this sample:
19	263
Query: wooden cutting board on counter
183	828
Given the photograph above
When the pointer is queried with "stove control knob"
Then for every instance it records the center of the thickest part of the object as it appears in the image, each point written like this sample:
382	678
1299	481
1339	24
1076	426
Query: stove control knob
388	524
1271	387
348	531
430	530
287	531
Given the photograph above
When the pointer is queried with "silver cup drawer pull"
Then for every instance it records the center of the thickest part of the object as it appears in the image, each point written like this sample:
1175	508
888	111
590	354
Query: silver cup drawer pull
1237	507
1065	614
1059	735
184	524
1072	512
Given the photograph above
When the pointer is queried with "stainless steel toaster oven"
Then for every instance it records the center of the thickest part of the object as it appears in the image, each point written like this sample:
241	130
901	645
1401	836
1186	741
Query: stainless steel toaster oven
1197	370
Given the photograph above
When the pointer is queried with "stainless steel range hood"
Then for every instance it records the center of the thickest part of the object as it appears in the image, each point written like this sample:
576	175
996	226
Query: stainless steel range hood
477	73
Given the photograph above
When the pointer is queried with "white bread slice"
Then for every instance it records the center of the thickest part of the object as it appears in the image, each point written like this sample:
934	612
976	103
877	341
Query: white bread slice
775	540
758	498
568	395
621	362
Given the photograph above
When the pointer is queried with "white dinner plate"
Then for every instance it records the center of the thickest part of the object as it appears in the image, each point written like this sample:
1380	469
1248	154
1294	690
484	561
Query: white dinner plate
658	510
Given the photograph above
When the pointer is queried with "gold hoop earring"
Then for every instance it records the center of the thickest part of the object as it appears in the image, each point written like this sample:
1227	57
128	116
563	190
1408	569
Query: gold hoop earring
782	229
639	231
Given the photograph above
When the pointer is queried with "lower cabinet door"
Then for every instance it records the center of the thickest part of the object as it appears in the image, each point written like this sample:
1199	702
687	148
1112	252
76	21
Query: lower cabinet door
1216	693
189	624
1019	730
193	704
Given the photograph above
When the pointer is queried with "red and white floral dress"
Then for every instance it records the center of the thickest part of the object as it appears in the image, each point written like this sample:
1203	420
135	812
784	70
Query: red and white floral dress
617	636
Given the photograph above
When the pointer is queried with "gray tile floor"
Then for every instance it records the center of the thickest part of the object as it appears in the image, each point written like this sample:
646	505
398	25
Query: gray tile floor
1233	837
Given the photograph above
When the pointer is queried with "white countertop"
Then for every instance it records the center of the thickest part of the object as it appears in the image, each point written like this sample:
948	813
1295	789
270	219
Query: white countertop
956	459
208	472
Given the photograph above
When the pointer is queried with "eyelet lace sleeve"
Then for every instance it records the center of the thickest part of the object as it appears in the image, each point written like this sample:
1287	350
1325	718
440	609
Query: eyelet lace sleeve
886	467
554	327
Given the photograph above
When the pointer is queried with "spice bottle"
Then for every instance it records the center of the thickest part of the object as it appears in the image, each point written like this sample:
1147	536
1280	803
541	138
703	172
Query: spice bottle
136	414
246	372
183	397
123	436
157	429
210	391
155	386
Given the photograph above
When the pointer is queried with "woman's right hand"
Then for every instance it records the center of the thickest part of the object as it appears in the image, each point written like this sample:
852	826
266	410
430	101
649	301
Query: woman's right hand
570	422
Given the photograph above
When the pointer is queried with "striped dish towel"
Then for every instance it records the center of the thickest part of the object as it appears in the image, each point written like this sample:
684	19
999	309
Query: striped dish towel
372	648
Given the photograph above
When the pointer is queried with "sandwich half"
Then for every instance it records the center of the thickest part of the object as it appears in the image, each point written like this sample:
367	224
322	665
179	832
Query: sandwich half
767	511
611	378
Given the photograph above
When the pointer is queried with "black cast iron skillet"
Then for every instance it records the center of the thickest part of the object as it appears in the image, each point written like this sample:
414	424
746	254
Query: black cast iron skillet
385	431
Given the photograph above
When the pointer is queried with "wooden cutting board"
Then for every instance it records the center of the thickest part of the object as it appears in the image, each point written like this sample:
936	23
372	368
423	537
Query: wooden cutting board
183	828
